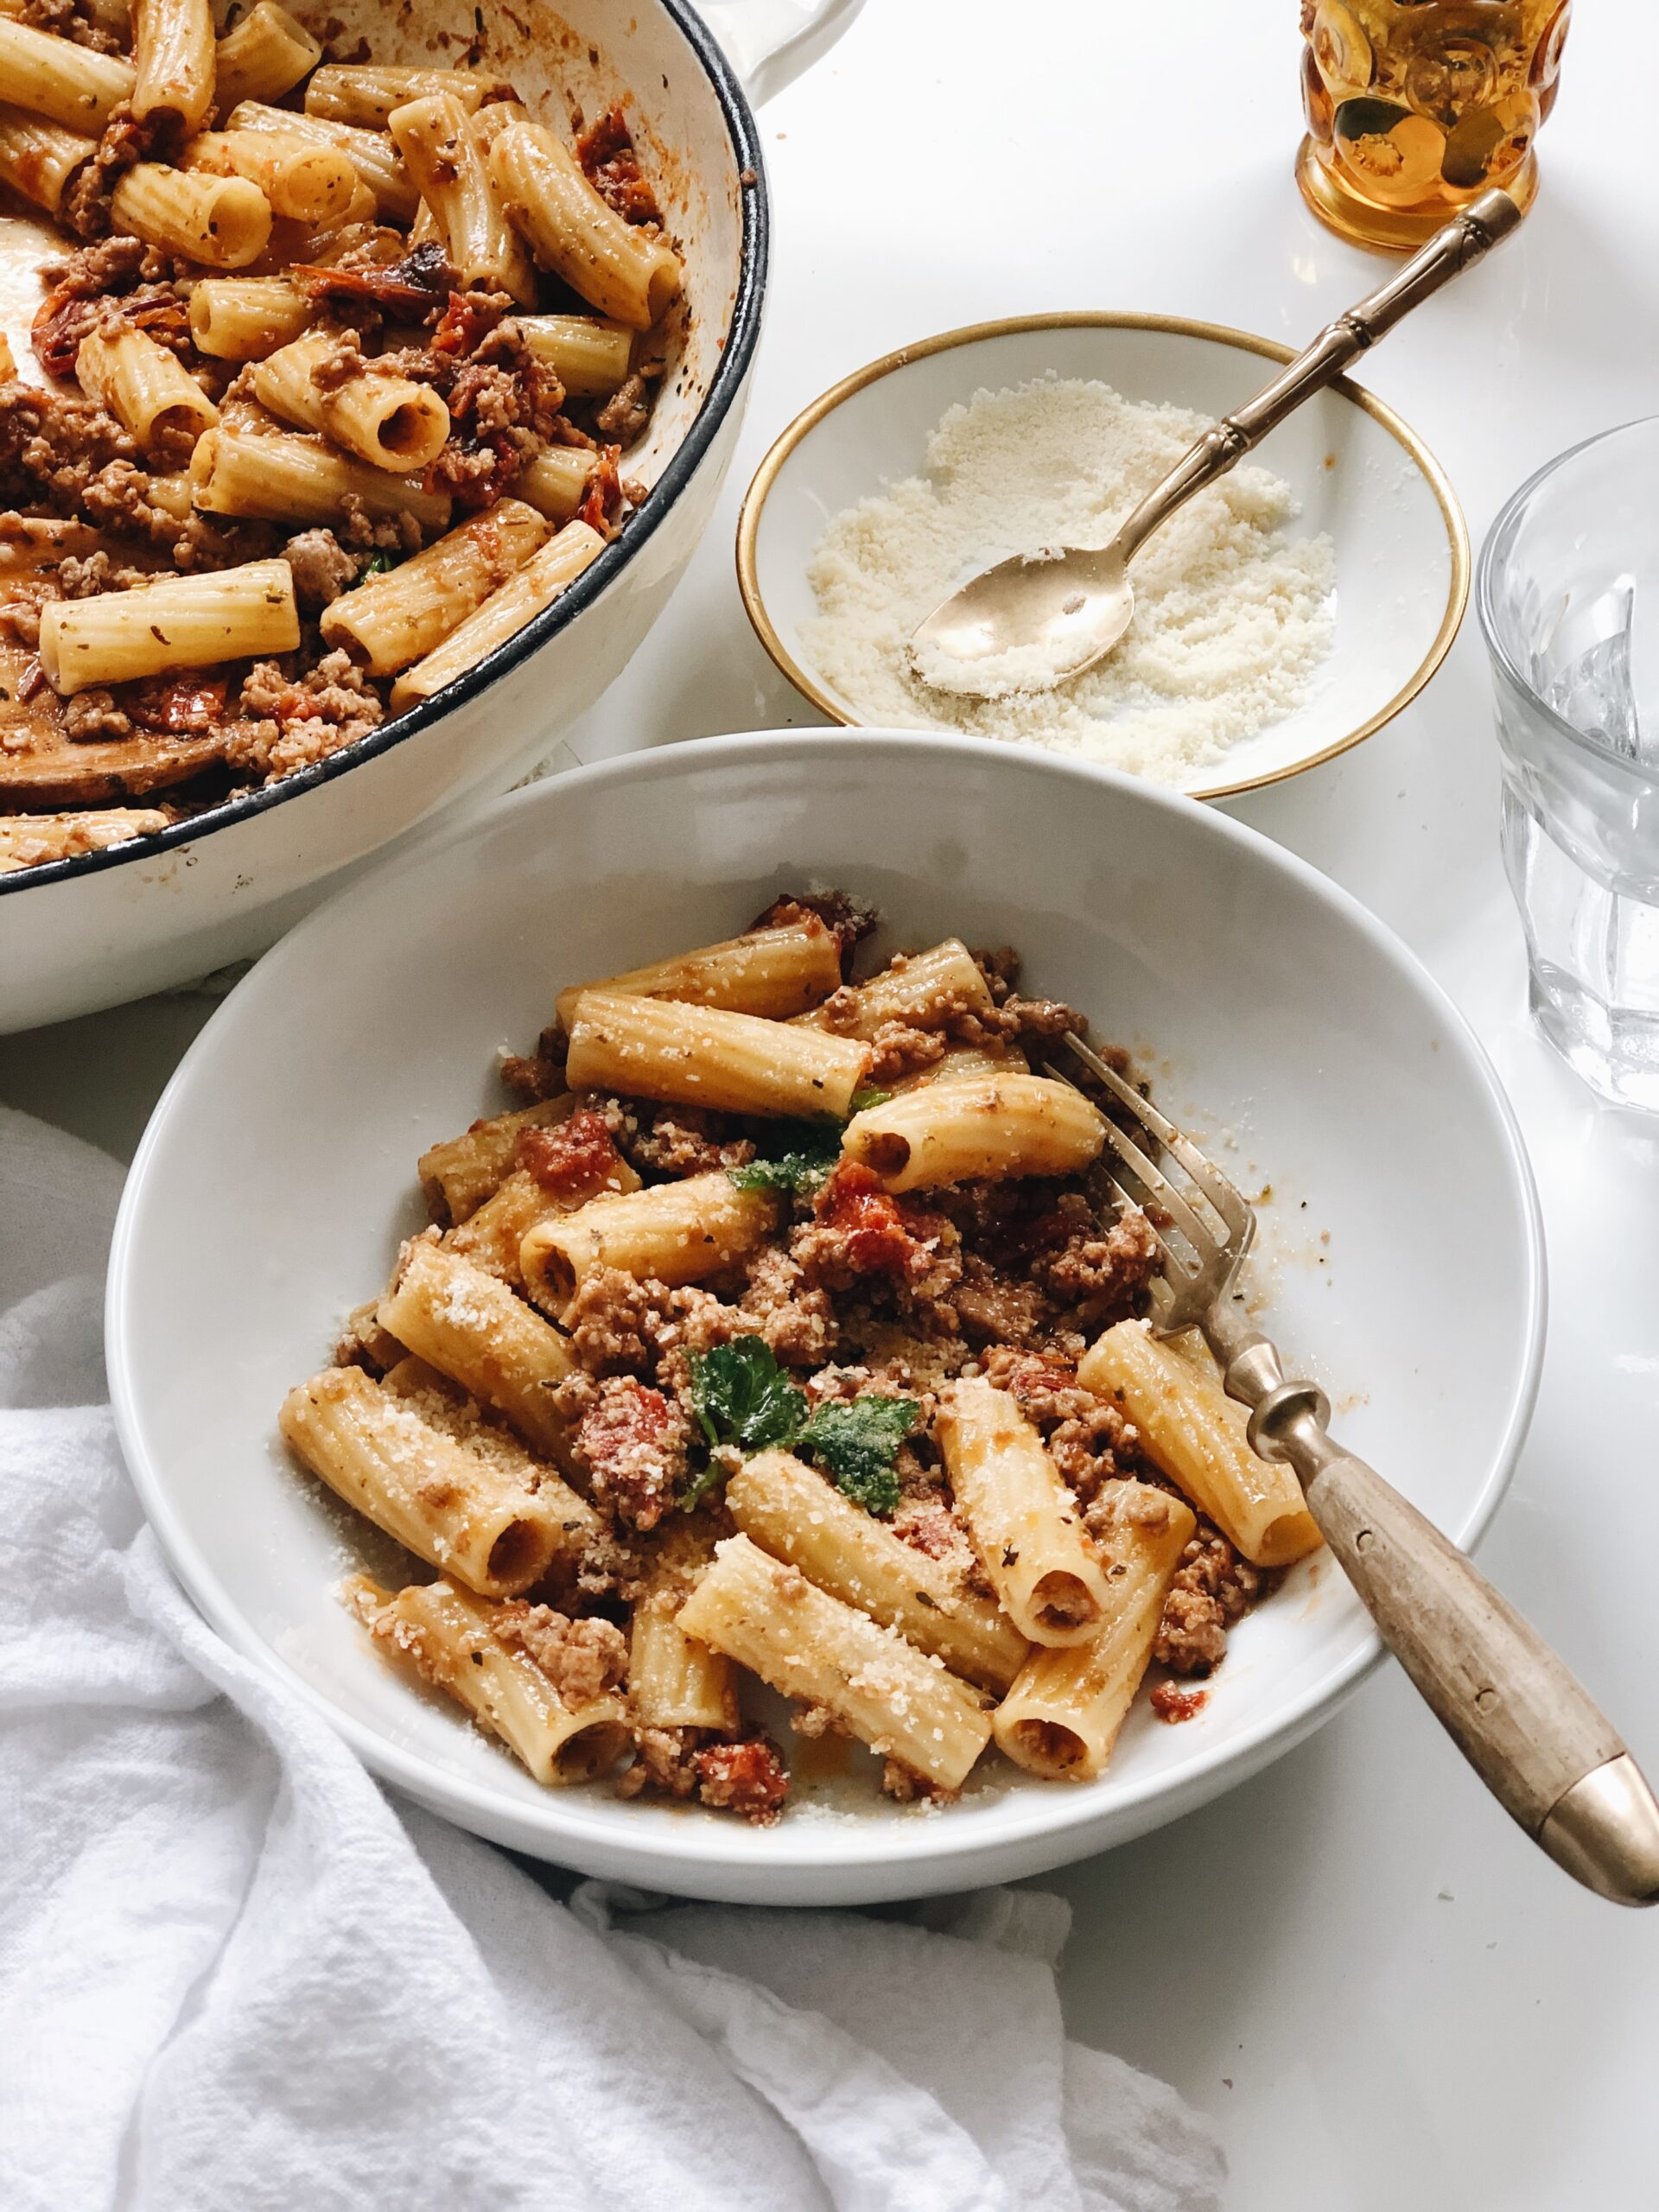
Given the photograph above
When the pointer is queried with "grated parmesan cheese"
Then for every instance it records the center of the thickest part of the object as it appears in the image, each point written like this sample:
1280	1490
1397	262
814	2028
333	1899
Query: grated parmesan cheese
1232	618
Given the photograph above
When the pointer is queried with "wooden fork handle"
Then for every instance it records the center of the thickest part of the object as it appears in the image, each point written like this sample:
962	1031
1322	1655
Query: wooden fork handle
1539	1742
1536	1739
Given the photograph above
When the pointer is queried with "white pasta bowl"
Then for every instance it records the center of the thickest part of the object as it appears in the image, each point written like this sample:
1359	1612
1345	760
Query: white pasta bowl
106	926
1292	1029
1359	475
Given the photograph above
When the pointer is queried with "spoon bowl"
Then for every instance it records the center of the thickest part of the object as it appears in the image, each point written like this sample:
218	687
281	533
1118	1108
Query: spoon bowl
1027	622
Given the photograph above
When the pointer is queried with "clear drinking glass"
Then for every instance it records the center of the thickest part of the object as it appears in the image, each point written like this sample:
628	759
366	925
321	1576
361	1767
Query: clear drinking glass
1569	594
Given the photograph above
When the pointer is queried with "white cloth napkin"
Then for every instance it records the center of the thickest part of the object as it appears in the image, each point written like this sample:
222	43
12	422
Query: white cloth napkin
235	1976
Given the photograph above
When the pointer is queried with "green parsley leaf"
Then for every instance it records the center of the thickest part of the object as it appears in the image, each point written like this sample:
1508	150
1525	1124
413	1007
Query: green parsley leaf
742	1397
856	1444
377	564
700	1485
808	1152
862	1100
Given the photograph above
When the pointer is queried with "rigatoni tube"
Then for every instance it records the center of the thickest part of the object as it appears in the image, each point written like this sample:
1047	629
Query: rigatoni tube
436	138
308	183
177	622
465	1647
503	614
678	1232
621	271
799	1518
807	1644
1062	1715
703	1056
1196	1435
555	482
978	1128
38	158
223	221
674	1682
263	57
589	358
458	1174
246	318
395	619
371	153
446	1504
384	418
299	480
67	83
1026	1524
920	988
175	55
773	972
146	389
471	1327
366	93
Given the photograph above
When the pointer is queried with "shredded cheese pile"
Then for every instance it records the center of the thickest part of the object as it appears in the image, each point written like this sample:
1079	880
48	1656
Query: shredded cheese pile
1233	617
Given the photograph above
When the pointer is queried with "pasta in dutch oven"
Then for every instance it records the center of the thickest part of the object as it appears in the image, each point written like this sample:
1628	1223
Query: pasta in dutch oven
339	362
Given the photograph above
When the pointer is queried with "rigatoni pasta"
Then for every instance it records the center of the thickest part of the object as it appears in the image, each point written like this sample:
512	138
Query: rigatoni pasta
446	1503
543	576
342	230
262	57
704	1056
466	1648
573	231
774	973
141	384
247	318
395	619
38	158
1061	1716
783	1419
68	83
176	622
1026	1526
461	1320
965	1128
1196	1435
434	135
673	1233
222	221
175	54
771	1620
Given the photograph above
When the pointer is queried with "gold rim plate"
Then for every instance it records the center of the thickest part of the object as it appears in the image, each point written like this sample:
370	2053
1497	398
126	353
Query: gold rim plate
754	500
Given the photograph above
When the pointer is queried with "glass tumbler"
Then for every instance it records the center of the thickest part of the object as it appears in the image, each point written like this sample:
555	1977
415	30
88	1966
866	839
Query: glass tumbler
1568	589
1413	106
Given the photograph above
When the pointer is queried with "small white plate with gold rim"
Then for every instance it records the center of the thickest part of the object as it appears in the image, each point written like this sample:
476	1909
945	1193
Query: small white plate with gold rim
1359	475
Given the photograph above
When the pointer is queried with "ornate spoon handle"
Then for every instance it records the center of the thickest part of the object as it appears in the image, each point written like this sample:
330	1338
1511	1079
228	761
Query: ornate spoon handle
1457	247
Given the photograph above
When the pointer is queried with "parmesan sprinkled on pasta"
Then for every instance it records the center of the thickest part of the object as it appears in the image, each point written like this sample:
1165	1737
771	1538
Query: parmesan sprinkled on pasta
1233	617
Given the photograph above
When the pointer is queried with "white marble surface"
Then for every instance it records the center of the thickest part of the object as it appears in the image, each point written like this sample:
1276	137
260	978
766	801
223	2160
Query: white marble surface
1384	1993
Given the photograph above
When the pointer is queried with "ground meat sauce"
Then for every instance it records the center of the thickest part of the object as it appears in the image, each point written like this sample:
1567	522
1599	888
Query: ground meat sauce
576	1156
68	459
857	1295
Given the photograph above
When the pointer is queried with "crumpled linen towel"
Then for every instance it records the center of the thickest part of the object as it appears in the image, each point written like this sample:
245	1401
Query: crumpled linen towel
235	1975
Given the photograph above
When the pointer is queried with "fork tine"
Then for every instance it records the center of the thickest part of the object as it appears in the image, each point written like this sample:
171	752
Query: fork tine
1178	1264
1156	1189
1228	1201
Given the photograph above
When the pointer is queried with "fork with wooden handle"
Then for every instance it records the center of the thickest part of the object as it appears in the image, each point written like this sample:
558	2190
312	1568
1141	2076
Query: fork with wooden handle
1542	1747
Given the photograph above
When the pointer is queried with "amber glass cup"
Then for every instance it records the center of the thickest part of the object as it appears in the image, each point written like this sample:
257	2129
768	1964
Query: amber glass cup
1414	106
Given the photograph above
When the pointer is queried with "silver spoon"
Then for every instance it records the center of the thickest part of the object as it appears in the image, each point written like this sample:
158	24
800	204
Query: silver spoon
1070	604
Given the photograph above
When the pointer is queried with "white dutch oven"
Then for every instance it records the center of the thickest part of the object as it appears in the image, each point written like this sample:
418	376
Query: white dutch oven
108	927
